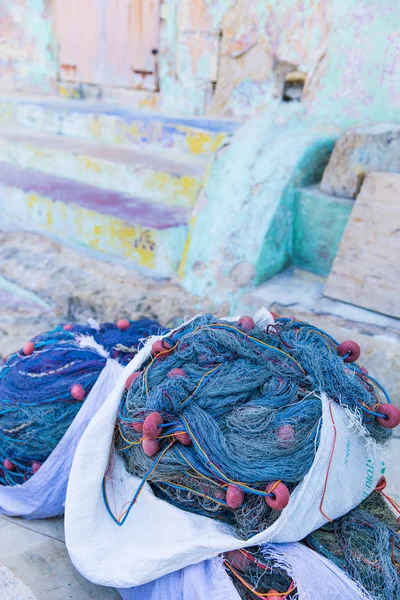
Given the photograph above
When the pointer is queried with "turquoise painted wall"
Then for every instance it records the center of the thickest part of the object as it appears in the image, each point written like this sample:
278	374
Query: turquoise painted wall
27	47
319	222
263	223
241	230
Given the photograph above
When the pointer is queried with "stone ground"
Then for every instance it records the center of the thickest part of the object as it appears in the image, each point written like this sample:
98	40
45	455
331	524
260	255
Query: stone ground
43	283
35	552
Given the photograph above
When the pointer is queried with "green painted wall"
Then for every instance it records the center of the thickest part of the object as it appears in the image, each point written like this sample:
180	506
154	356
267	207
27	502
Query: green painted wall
319	222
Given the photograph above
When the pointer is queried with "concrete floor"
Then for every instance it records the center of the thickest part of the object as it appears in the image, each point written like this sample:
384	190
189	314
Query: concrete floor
35	552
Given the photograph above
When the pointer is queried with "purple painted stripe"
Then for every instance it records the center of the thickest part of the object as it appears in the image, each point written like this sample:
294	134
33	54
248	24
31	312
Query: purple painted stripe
136	211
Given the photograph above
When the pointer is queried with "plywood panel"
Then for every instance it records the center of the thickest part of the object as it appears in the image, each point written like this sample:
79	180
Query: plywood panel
366	270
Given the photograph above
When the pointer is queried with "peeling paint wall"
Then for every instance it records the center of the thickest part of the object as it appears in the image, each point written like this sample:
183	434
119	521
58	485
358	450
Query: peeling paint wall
358	77
27	47
229	58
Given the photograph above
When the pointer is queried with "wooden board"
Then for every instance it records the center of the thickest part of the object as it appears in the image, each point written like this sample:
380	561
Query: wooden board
366	270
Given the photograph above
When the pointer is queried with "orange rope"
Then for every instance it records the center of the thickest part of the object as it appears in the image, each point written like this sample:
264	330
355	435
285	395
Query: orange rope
251	589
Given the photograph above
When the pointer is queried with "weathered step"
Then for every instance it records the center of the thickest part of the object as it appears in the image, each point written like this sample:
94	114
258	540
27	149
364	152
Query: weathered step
319	224
148	233
169	177
101	121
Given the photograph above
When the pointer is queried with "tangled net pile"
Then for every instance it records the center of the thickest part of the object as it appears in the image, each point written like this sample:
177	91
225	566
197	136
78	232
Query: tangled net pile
365	544
223	419
42	387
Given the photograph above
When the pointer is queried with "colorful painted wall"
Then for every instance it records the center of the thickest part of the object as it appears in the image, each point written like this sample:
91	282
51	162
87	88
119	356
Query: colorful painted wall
256	93
28	61
231	58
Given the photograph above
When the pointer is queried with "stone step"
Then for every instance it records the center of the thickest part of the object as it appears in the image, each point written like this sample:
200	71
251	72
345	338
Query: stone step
148	233
169	177
319	223
101	121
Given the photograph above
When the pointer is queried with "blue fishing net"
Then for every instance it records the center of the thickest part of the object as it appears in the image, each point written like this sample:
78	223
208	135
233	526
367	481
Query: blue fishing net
248	402
36	403
121	344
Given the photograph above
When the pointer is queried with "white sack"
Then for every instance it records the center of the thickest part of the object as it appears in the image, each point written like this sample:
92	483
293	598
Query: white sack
315	577
158	538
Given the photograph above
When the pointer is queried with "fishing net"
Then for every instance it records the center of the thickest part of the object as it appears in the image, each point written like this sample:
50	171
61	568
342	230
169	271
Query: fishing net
42	387
120	339
224	419
365	544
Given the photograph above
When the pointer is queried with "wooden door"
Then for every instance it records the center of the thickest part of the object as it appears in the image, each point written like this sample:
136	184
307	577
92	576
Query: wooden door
77	25
108	42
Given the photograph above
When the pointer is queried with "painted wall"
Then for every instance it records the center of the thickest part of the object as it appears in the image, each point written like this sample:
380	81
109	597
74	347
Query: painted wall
230	57
27	47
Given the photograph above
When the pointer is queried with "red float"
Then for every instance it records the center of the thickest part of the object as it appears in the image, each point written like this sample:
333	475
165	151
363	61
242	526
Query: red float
160	348
151	425
280	495
390	416
351	348
184	439
176	373
123	324
131	378
234	496
150	447
78	392
28	348
246	323
286	435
